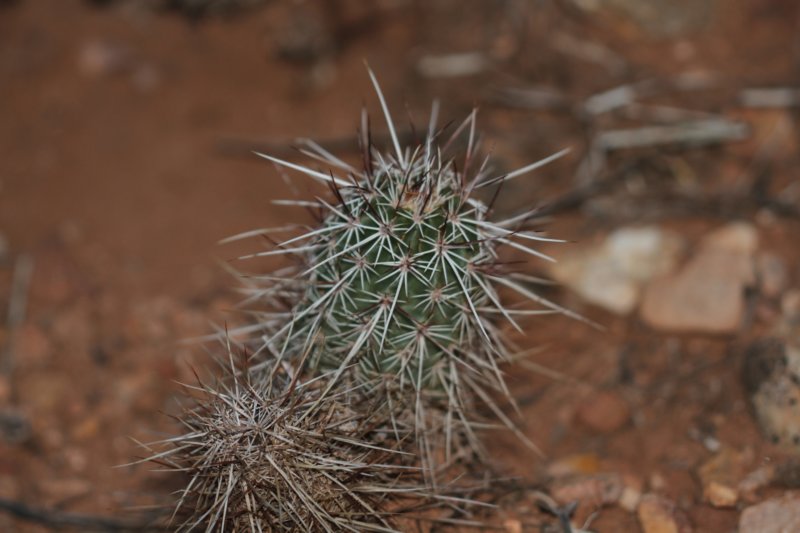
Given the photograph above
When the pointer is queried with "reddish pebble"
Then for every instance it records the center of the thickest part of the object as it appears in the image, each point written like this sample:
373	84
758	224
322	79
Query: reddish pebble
604	411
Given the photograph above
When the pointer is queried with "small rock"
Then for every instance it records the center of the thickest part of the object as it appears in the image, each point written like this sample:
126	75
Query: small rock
721	475
707	295
582	464
771	376
773	275
711	443
790	304
604	411
644	253
612	273
720	495
631	493
776	515
660	515
593	491
754	481
86	430
657	482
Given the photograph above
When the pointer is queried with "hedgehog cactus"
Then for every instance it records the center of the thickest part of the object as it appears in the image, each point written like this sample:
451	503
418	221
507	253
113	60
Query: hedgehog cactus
399	282
396	290
401	275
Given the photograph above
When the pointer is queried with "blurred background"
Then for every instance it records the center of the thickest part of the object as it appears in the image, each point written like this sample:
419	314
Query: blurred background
126	131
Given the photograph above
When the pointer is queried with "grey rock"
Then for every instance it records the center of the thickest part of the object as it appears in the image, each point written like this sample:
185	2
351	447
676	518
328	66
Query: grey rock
611	274
707	294
776	515
771	375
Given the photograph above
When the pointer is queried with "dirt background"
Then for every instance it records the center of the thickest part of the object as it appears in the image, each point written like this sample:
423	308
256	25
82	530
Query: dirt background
125	137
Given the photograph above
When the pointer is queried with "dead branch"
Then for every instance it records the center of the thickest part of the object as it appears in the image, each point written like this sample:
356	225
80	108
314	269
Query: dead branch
690	133
770	98
17	304
81	522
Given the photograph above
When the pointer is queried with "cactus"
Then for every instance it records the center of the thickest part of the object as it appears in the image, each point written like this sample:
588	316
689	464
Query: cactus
398	283
284	453
401	276
376	347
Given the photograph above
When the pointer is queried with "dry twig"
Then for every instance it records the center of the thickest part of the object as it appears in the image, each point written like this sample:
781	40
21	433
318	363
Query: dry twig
17	304
81	522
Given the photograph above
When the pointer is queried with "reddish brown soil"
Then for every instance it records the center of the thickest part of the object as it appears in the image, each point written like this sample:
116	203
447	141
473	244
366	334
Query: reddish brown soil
118	181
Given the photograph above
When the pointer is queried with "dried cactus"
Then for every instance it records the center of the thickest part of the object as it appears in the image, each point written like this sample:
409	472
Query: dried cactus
282	453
